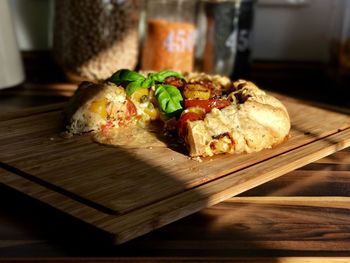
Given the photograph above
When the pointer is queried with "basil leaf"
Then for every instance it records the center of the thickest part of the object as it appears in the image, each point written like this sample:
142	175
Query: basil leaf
147	83
162	75
169	98
125	75
133	86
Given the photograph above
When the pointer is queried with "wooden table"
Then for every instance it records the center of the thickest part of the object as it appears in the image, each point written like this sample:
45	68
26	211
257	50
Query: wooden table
305	213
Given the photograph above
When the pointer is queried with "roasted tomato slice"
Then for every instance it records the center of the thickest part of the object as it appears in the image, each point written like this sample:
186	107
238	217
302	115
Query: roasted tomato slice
130	109
109	124
177	82
208	105
186	117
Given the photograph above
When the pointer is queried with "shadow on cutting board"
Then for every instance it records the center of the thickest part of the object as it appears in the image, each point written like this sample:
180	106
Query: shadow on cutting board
34	229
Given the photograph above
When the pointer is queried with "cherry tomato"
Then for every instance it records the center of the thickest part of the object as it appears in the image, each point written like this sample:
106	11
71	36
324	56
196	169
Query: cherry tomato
186	117
107	126
208	105
130	109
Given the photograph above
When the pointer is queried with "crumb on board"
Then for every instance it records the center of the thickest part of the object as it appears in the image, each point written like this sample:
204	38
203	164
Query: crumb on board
66	135
150	148
52	138
197	159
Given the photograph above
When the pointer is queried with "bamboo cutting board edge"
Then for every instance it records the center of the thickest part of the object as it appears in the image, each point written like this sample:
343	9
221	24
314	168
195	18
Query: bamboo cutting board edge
131	225
107	210
36	154
226	187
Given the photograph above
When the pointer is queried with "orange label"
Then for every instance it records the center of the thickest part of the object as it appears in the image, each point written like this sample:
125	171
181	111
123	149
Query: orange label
169	45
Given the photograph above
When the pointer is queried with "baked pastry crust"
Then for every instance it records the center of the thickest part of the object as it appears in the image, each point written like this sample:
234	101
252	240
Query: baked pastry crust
83	115
253	120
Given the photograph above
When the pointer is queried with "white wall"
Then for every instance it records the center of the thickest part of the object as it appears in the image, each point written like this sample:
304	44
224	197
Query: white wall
293	32
281	32
32	20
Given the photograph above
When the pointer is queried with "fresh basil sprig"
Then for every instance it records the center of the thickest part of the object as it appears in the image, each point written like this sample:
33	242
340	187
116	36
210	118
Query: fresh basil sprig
168	96
133	86
125	75
162	75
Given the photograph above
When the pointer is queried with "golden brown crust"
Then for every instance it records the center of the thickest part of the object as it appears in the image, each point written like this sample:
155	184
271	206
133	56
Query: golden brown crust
255	121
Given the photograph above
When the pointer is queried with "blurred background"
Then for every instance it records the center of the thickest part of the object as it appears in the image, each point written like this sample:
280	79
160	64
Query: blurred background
291	45
297	30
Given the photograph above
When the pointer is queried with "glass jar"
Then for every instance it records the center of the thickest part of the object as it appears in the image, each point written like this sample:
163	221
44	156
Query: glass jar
95	38
11	69
340	42
219	28
169	41
243	60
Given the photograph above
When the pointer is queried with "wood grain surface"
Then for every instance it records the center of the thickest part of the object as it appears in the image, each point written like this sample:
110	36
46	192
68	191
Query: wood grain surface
302	216
129	192
305	213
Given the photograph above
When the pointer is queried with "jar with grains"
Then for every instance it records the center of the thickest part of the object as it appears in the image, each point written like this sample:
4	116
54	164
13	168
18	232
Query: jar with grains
94	38
170	35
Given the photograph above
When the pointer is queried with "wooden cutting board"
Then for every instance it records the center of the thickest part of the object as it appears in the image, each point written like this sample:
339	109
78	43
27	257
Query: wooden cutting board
128	192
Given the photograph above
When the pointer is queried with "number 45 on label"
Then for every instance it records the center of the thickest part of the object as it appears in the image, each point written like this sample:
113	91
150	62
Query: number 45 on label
179	40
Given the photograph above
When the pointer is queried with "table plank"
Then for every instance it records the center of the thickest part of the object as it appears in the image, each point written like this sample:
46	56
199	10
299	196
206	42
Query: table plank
239	226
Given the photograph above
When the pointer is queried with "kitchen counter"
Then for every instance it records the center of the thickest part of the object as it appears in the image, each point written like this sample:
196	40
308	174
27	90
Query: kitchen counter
305	213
